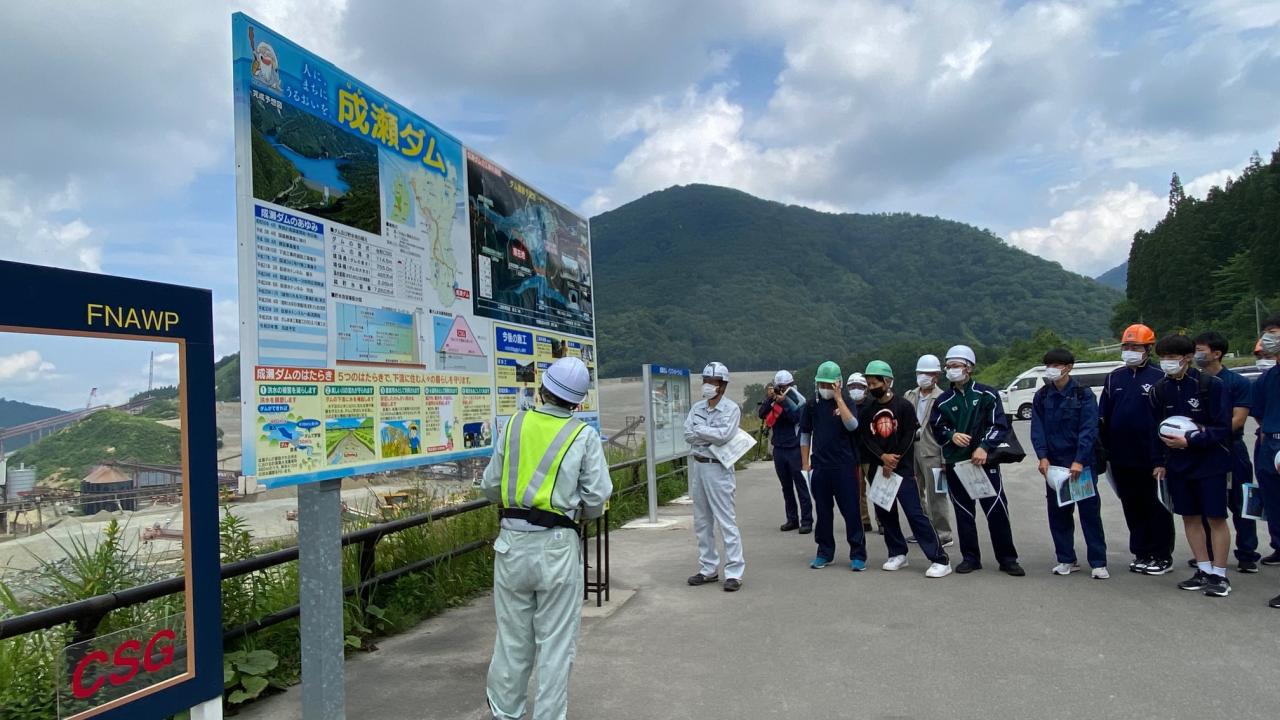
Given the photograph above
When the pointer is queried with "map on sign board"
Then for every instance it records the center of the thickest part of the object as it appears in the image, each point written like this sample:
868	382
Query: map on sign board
368	340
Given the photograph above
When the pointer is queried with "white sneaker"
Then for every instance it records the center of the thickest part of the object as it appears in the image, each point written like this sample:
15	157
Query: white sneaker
897	562
1065	568
1100	574
938	570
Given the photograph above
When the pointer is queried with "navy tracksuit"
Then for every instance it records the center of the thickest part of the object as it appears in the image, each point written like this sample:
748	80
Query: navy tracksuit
1265	407
786	462
1126	429
1240	390
833	457
1064	429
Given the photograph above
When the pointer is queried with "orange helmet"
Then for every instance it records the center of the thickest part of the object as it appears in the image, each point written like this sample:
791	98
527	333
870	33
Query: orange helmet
1138	334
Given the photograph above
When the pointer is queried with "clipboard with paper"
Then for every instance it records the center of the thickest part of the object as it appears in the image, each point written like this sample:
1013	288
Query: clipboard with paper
884	490
975	481
729	453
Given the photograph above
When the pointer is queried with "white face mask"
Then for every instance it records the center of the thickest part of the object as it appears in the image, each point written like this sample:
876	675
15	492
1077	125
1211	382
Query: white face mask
924	382
1132	357
1053	374
827	393
857	394
709	391
957	374
1171	367
1265	364
1271	343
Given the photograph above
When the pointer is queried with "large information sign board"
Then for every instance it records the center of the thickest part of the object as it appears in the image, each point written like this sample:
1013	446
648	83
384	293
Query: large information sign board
375	254
668	400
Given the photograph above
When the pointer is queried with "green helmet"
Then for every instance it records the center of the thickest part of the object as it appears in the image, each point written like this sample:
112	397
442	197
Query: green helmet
879	368
828	372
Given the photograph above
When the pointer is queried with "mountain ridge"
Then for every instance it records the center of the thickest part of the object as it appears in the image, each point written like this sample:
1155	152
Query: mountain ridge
681	273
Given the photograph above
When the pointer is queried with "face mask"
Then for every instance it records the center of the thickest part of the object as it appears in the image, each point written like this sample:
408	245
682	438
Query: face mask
957	374
1053	374
1132	357
924	382
1171	367
1271	344
858	394
828	393
1202	359
879	393
1265	364
709	391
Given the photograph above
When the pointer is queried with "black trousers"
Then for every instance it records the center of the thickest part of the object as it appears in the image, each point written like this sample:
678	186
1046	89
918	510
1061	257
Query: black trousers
1151	533
996	510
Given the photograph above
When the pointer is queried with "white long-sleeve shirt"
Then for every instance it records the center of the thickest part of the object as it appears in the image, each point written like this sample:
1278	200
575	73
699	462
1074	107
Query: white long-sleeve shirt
584	474
707	426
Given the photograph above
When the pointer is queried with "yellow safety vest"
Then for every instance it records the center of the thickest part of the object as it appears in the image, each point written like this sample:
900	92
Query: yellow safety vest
536	444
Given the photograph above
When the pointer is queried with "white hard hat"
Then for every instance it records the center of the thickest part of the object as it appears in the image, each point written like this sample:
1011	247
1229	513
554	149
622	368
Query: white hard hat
1177	426
962	352
929	363
567	379
857	379
783	378
716	370
1277	466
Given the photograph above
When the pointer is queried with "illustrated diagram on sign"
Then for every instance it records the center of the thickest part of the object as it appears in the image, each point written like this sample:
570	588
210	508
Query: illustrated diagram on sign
456	346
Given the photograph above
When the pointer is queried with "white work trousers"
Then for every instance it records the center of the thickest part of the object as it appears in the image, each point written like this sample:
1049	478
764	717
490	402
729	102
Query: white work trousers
537	596
711	487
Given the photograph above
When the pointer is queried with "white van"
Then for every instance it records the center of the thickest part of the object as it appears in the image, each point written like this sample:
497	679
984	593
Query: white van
1017	397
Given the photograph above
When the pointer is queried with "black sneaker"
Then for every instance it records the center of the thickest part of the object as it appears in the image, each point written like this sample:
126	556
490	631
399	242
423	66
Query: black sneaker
1219	586
789	525
1199	581
912	539
1272	559
965	567
732	585
1247	566
701	579
1138	565
1275	602
1159	567
1013	569
1193	564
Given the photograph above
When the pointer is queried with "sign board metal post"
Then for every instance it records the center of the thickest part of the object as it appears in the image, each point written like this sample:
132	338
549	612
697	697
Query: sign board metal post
667	401
651	454
320	600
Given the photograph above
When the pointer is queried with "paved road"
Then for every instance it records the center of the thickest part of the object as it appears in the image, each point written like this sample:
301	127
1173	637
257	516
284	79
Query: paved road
798	643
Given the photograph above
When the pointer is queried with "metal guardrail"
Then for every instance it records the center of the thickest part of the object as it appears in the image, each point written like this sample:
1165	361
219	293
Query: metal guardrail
87	614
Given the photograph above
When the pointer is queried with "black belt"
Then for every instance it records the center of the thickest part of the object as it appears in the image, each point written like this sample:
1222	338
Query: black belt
709	461
541	518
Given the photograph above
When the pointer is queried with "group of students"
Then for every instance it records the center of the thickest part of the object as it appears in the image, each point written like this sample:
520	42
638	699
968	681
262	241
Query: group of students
1168	432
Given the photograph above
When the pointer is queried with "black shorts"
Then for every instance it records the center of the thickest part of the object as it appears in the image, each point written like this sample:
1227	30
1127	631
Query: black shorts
1205	496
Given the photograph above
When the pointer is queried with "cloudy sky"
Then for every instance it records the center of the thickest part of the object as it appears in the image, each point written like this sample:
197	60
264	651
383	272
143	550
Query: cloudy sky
1055	124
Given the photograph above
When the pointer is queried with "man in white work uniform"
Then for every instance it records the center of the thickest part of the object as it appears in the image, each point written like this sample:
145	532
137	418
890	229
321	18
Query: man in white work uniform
714	421
548	471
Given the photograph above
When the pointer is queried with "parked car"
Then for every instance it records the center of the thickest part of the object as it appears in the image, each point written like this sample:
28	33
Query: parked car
1017	397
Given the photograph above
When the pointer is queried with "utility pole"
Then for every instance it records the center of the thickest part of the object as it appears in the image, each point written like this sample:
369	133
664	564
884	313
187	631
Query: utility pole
151	371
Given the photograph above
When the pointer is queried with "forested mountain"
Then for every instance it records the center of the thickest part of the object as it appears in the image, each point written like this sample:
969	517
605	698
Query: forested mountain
697	272
1210	263
13	412
1116	277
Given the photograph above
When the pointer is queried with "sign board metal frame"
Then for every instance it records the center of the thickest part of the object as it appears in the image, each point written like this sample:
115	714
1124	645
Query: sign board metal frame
49	301
667	415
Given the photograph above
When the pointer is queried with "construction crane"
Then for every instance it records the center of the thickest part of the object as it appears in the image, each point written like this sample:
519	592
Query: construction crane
93	393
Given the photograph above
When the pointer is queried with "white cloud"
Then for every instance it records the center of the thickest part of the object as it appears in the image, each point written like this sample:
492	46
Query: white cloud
32	229
1199	187
24	366
226	328
1094	236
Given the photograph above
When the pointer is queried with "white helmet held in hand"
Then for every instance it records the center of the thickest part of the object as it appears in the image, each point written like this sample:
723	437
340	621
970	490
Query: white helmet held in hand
928	363
1178	426
962	352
